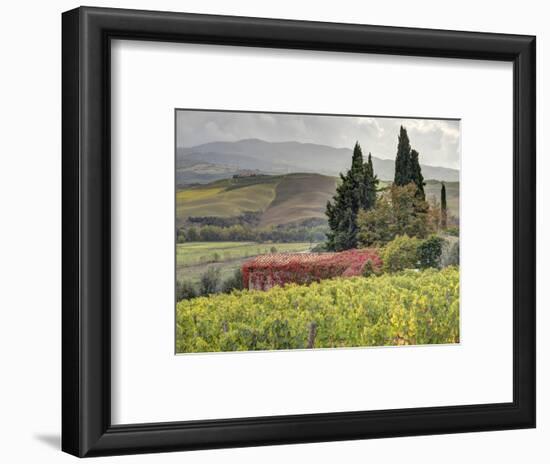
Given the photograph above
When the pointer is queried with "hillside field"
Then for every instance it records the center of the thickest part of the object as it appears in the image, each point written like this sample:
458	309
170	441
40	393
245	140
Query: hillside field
281	199
219	199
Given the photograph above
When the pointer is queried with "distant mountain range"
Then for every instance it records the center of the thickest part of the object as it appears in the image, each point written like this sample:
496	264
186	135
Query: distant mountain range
217	160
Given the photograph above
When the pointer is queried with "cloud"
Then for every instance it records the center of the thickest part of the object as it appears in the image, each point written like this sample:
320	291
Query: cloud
437	140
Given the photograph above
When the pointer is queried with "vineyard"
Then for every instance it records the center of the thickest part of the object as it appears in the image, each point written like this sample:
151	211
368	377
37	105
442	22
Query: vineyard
405	308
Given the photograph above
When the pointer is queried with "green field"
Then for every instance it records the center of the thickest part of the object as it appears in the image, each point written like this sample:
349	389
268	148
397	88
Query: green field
281	199
214	200
192	259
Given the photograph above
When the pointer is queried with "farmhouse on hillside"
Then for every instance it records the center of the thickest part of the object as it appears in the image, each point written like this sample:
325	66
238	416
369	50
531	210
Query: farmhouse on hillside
265	271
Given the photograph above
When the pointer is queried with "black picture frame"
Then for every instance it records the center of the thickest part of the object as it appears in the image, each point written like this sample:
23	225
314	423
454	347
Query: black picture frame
86	287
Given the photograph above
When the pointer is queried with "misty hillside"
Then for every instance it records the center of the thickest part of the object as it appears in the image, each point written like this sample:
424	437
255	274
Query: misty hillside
216	160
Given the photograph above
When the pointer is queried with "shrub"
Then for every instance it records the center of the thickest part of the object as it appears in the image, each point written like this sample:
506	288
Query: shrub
185	290
192	235
263	272
319	248
235	282
369	269
210	281
180	236
454	231
429	252
273	249
400	254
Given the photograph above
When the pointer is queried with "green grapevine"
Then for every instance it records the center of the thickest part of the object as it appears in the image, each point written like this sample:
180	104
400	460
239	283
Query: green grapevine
406	308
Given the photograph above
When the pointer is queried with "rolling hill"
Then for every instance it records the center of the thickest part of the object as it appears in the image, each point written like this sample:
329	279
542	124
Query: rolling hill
215	160
299	197
281	199
225	198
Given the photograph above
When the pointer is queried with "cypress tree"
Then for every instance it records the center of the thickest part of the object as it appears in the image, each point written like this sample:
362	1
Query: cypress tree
371	184
407	165
415	175
357	159
357	190
402	160
356	177
443	206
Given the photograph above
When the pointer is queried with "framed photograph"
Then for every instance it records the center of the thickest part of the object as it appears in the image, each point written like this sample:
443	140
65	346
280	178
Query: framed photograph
284	231
279	226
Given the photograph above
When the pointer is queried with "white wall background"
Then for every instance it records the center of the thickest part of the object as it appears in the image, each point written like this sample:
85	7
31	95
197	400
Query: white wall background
30	244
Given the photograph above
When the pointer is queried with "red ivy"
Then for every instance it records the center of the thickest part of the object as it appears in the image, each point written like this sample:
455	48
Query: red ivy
263	272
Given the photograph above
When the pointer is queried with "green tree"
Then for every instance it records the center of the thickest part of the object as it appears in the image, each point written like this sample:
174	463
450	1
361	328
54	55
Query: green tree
210	281
356	190
407	165
397	212
410	212
192	235
234	282
402	160
180	235
376	226
371	185
443	206
415	174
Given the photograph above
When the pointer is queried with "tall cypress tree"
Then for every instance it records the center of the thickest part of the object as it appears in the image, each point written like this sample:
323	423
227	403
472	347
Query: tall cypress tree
357	190
443	206
415	175
371	184
356	177
402	160
407	165
357	159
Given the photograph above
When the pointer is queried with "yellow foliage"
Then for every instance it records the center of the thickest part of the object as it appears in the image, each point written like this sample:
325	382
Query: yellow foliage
404	308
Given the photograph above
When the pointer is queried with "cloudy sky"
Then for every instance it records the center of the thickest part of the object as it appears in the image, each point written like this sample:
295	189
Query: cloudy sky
437	141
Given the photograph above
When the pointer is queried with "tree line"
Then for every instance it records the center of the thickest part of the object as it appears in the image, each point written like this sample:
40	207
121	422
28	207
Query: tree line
245	233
